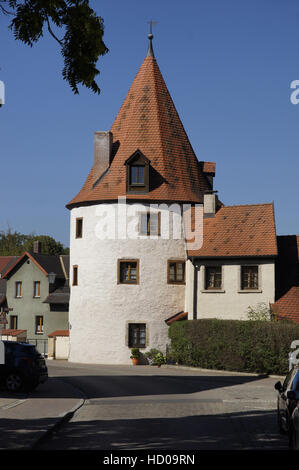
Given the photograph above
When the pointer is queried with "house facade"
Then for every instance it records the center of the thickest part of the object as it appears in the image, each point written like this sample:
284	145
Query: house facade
37	294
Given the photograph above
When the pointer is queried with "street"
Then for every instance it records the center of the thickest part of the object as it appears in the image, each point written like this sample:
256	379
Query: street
144	407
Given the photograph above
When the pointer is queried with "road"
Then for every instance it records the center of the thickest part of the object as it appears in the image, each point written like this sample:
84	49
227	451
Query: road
145	407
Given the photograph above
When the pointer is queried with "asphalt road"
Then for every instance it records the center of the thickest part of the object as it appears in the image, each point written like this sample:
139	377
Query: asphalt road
145	407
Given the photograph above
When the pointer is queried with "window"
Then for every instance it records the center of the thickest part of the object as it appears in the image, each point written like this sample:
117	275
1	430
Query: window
79	227
176	272
39	325
128	271
136	174
213	277
13	322
36	289
150	223
137	335
75	275
249	278
18	289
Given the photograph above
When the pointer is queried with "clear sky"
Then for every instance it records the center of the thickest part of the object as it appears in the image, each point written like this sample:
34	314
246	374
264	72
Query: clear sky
228	65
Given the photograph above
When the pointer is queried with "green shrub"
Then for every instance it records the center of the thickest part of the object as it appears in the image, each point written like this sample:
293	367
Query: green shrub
235	345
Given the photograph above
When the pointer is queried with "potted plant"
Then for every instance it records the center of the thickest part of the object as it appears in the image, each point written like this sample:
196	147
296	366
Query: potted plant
159	359
135	356
150	355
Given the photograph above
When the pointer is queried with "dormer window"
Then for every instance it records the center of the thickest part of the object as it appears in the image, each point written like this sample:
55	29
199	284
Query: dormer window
137	173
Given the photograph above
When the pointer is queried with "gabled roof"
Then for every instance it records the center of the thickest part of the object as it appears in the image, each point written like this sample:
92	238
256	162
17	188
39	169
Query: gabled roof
148	121
239	231
5	262
46	263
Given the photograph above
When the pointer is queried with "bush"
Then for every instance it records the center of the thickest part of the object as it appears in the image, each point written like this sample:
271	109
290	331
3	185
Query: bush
235	345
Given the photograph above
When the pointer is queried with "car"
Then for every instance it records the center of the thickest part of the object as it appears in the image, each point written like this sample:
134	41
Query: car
288	406
24	367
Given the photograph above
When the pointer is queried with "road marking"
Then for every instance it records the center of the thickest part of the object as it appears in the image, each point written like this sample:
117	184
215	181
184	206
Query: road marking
12	405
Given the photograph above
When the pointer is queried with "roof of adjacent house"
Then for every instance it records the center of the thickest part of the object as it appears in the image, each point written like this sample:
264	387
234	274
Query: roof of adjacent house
46	263
287	266
176	317
238	231
61	295
13	332
5	263
59	333
148	121
287	307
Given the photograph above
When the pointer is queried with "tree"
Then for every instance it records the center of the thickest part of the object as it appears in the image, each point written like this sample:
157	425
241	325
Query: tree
15	244
81	44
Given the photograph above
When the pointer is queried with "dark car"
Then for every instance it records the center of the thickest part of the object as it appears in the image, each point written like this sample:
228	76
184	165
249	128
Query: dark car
288	406
24	367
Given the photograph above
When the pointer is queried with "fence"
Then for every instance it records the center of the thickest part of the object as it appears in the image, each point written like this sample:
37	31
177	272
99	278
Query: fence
40	344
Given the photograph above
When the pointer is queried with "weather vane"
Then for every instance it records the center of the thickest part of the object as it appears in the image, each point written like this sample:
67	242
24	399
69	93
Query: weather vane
150	51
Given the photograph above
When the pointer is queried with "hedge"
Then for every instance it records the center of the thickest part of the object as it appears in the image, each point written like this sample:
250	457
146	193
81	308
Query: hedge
234	345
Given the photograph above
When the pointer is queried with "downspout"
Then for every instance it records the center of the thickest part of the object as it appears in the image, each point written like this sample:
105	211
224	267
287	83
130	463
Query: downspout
195	285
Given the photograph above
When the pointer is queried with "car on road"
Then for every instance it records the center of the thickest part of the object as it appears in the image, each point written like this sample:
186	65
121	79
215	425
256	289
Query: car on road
288	406
24	367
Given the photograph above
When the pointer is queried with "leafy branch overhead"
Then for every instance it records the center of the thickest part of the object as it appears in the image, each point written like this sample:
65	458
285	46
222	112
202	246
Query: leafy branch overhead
82	30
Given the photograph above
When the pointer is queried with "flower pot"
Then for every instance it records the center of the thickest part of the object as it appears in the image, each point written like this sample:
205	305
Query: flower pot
135	361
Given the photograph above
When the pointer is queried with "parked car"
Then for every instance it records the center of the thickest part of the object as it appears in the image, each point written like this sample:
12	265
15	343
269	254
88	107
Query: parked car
24	368
288	406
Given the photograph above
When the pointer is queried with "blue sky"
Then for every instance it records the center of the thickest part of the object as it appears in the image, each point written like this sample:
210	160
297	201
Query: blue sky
228	65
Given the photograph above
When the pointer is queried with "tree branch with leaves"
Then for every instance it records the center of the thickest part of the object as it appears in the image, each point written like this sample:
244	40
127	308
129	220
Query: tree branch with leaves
82	31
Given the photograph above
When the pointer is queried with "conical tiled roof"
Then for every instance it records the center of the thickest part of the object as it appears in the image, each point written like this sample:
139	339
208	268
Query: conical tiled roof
148	121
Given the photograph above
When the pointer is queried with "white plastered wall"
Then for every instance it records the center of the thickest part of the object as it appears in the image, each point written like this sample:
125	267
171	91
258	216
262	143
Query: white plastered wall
100	308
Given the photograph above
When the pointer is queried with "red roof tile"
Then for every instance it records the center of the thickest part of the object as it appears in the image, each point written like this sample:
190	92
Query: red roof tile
12	332
59	333
287	307
148	121
237	231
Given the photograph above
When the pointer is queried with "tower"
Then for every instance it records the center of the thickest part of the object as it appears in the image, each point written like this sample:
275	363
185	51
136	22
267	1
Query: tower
127	273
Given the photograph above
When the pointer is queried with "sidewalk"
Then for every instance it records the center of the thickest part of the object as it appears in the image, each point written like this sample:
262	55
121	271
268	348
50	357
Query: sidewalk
26	418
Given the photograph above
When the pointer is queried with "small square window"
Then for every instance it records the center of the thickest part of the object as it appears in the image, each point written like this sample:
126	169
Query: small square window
79	227
39	325
176	272
128	271
137	335
249	277
213	277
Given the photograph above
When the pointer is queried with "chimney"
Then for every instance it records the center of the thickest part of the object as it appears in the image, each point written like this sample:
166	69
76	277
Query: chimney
37	246
102	153
209	205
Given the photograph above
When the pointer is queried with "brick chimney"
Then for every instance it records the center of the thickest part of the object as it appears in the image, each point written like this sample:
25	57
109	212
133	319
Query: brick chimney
37	246
102	153
209	205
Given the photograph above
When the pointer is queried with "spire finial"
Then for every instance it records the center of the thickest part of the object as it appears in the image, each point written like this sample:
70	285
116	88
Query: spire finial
150	52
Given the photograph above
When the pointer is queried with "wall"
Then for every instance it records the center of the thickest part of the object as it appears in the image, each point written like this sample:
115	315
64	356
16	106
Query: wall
100	309
231	303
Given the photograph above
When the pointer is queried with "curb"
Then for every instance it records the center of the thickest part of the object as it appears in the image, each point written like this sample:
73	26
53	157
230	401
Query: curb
61	420
199	369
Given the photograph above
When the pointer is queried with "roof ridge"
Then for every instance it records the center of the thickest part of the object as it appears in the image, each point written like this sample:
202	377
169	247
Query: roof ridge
249	205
